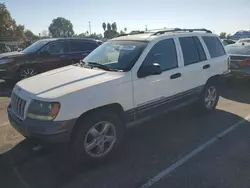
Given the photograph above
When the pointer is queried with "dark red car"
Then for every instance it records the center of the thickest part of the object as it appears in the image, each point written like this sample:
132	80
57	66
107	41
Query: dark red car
44	55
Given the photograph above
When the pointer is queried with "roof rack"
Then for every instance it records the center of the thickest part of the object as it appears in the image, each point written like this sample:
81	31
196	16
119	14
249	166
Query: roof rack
132	33
178	29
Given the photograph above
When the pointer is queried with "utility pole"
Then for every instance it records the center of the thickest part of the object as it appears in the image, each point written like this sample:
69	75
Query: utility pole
89	28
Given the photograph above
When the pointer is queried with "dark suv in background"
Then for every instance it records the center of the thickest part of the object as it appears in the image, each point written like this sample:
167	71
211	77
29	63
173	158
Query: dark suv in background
44	55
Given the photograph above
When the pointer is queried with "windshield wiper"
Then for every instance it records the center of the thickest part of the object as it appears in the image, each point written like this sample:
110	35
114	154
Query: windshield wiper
98	65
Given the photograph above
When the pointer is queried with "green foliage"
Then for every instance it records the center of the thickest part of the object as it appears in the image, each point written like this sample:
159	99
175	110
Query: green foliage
104	26
8	26
30	36
111	31
86	35
223	35
61	27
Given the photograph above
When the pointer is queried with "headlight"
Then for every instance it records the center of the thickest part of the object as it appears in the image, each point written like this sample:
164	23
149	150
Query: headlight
43	110
2	61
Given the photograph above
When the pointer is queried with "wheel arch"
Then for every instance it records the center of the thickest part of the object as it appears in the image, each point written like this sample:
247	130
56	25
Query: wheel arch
116	108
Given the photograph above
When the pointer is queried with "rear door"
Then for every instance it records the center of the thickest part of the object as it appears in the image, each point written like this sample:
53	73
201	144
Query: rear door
79	49
195	64
53	55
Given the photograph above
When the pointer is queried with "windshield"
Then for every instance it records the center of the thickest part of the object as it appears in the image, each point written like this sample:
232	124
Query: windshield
120	55
35	46
238	49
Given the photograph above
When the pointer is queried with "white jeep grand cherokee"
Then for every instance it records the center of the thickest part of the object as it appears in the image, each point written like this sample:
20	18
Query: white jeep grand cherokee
125	80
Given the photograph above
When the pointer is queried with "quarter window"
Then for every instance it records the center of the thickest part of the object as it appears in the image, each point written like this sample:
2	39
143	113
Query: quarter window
163	53
214	46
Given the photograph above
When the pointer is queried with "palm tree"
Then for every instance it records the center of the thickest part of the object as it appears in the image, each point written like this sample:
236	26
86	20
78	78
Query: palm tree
108	27
104	26
114	26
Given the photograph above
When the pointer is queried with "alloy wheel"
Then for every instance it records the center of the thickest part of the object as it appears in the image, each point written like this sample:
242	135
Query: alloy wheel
100	139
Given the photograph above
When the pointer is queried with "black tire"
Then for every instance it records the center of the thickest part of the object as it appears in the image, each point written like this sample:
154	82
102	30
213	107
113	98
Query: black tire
203	100
80	134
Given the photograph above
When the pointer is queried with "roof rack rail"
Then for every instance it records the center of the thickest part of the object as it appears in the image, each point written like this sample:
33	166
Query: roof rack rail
178	29
132	33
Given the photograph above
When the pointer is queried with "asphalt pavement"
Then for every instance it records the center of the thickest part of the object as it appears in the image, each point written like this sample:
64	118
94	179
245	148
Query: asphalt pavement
184	148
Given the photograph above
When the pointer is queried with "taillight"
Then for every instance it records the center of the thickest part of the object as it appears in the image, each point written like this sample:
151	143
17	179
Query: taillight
245	62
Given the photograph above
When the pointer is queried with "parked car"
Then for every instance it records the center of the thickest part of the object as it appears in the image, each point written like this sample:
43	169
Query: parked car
124	81
244	40
44	55
227	42
240	59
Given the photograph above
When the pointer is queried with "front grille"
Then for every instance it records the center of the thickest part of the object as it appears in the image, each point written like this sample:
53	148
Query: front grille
18	105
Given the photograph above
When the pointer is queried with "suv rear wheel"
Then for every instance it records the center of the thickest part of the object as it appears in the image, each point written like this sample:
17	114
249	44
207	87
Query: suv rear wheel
209	97
97	136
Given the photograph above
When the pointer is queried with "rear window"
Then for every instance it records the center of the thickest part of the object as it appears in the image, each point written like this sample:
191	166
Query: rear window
214	46
238	49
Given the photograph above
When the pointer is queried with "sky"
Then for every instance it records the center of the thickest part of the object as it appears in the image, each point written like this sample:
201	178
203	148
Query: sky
217	15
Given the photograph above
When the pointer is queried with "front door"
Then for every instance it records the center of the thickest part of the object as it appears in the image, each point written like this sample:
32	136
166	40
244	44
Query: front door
54	55
155	93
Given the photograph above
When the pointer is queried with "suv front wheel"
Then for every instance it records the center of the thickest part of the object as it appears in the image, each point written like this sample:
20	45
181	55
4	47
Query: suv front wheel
96	136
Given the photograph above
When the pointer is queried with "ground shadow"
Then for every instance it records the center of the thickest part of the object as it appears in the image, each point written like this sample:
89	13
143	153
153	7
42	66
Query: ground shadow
6	88
146	149
237	90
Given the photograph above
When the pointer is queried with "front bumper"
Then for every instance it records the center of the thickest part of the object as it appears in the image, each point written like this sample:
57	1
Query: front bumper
45	132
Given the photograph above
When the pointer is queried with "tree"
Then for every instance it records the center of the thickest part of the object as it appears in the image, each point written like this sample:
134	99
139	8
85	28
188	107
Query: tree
108	27
104	26
61	27
114	26
111	31
223	35
8	26
30	35
125	29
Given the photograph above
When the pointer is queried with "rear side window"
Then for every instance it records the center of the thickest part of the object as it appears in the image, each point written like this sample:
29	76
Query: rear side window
214	46
163	53
189	50
80	46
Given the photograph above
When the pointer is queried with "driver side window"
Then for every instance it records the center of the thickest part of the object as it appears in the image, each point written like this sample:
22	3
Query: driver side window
163	53
54	48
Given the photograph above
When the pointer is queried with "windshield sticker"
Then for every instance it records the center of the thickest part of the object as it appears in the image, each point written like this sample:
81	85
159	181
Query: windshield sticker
124	47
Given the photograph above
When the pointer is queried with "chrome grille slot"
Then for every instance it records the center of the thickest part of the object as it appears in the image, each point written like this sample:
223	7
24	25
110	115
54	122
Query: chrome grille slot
18	105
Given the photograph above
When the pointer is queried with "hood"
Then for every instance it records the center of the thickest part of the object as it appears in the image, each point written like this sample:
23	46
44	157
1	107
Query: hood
11	55
65	80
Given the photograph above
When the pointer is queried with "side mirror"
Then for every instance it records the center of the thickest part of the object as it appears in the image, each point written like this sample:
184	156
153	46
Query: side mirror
154	69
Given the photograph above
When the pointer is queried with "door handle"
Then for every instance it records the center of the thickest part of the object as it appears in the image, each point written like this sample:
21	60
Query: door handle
206	66
174	76
62	55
